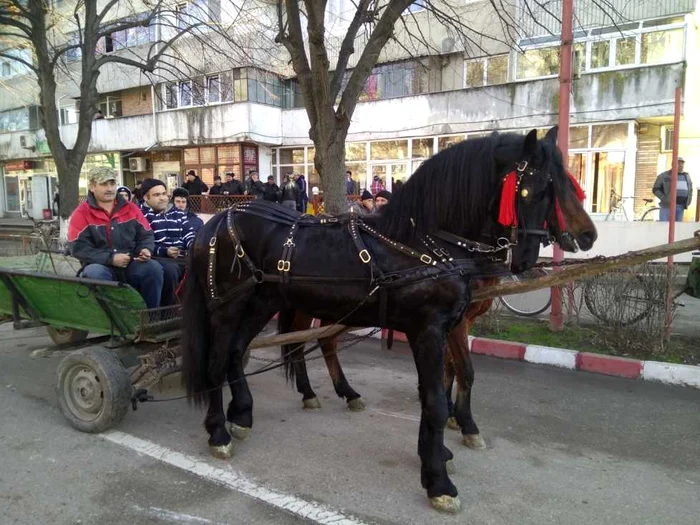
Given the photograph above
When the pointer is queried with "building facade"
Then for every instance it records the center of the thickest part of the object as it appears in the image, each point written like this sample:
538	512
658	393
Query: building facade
240	116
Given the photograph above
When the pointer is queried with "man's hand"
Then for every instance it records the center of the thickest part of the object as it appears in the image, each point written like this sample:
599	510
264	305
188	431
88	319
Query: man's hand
144	255
173	252
121	260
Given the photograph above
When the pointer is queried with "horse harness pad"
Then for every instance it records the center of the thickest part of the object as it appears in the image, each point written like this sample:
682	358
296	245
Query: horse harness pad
440	264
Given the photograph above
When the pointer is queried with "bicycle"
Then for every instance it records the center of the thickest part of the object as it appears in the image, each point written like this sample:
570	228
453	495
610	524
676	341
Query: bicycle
648	213
616	298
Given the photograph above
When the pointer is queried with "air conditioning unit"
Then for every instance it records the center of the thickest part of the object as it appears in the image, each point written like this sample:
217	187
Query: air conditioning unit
27	142
137	164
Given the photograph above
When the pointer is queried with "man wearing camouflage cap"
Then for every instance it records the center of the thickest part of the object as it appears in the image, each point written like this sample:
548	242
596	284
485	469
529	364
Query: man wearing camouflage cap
113	240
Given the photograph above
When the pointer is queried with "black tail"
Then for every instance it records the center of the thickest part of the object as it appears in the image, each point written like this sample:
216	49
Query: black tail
285	320
195	335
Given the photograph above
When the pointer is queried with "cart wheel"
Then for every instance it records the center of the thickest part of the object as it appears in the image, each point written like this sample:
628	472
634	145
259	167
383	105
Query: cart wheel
93	389
62	336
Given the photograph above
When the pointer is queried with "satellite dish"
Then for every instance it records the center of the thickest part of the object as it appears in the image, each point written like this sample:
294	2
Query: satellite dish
448	45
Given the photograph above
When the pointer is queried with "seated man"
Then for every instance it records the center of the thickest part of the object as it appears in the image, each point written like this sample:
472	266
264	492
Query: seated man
113	240
173	235
181	201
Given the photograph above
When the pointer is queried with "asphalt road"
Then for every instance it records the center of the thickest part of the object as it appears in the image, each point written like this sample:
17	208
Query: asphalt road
564	447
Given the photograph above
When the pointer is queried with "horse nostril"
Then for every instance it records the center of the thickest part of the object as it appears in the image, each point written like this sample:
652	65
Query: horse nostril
586	239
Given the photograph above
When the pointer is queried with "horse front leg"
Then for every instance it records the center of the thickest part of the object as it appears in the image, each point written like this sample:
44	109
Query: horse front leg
329	347
220	444
428	349
293	355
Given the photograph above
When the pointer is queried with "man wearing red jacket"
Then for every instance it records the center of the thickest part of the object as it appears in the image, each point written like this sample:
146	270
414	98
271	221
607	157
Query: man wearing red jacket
113	240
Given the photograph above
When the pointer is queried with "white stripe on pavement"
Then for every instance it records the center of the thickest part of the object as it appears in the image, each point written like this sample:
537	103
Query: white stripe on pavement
309	510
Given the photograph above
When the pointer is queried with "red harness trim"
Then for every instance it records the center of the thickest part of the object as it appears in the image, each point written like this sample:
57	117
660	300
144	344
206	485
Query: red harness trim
506	212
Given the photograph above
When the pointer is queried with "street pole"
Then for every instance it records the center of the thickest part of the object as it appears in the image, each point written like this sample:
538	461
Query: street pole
556	316
672	211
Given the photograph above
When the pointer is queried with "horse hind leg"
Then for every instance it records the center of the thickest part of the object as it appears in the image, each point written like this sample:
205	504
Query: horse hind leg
329	347
295	360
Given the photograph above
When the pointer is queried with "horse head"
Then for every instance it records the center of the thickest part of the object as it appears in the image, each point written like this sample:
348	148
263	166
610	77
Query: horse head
540	200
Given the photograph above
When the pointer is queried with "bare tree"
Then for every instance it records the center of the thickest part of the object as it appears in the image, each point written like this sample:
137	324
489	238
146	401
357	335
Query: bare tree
50	35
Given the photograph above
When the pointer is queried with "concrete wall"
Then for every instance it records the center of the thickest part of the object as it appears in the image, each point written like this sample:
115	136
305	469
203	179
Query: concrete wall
137	101
636	93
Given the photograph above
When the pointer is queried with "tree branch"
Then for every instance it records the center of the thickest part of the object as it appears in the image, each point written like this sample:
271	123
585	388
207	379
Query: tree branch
20	60
347	48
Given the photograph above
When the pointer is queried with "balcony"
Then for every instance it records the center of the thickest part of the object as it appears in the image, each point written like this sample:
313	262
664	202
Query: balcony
627	94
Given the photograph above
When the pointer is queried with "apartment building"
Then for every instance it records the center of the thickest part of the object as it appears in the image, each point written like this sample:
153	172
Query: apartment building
238	115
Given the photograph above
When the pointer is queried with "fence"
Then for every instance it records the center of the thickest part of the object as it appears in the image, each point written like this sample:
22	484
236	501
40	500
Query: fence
216	203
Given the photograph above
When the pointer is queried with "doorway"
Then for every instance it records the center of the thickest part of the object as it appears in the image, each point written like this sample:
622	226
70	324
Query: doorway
389	174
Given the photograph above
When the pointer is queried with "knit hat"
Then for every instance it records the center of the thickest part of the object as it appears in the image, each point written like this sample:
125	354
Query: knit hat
149	184
181	192
366	195
384	193
124	189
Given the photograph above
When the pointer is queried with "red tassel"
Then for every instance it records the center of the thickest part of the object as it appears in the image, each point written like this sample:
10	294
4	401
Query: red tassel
579	191
506	213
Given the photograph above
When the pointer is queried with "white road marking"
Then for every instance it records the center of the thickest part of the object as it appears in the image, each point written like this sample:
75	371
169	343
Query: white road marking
305	509
170	516
397	415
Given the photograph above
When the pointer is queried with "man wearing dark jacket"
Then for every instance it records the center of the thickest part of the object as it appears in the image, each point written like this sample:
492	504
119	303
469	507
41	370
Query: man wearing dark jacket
194	184
254	187
217	188
181	202
233	186
113	240
271	192
684	193
172	233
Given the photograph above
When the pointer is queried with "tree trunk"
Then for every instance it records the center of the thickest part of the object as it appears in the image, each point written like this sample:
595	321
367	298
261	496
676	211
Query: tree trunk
330	164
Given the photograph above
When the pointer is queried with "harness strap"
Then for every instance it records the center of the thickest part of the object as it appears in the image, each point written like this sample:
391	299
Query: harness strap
440	253
422	257
238	243
284	264
211	269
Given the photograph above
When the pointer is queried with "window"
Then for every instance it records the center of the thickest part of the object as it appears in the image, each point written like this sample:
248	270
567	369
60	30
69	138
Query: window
609	136
182	17
486	71
666	138
20	119
421	148
414	8
388	150
111	106
474	75
171	95
69	115
6	69
401	79
600	54
214	89
74	53
448	142
662	46
625	51
356	151
541	62
497	70
185	94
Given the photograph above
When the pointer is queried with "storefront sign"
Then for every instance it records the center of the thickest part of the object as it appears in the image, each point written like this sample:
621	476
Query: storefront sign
19	165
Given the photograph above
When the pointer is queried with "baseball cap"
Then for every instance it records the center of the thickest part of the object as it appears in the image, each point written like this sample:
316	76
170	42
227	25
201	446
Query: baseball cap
101	175
681	159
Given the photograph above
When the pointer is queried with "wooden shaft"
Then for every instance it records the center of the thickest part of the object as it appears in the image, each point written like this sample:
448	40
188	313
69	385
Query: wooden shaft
589	269
300	336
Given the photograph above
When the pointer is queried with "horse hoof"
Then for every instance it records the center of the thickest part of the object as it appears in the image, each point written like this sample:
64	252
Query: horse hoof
356	405
240	433
450	466
312	403
222	451
474	441
446	504
452	423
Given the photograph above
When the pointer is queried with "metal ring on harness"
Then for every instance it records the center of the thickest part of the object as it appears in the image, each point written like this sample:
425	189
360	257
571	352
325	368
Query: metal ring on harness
283	266
240	253
365	257
426	259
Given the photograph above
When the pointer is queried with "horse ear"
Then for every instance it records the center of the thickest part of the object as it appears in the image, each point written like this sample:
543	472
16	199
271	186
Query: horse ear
552	134
531	143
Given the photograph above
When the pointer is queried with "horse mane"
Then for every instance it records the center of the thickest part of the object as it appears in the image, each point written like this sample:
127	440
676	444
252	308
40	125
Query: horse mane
453	190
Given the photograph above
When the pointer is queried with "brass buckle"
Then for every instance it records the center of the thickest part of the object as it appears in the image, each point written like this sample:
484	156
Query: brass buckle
365	257
522	165
287	266
426	259
212	242
239	252
283	266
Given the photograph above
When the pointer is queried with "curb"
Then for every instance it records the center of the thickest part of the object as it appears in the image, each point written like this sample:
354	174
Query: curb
667	373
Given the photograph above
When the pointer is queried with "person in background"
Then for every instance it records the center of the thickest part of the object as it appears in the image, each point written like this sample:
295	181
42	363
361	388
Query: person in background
317	201
352	187
254	186
194	184
365	206
217	188
233	186
382	198
181	202
289	192
302	195
173	235
124	193
113	240
377	185
138	193
271	192
684	193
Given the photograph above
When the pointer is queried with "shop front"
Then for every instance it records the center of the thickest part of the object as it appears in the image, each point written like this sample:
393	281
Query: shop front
29	187
239	158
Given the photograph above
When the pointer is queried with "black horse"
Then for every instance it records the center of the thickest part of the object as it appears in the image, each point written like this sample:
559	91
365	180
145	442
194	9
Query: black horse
408	268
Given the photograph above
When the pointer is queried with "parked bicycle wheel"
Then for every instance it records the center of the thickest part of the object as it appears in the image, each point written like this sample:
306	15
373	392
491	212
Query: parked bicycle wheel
651	215
618	298
528	304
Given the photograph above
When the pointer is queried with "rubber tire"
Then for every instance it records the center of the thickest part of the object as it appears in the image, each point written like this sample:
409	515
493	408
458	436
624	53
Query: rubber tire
62	336
649	214
528	313
112	376
589	298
